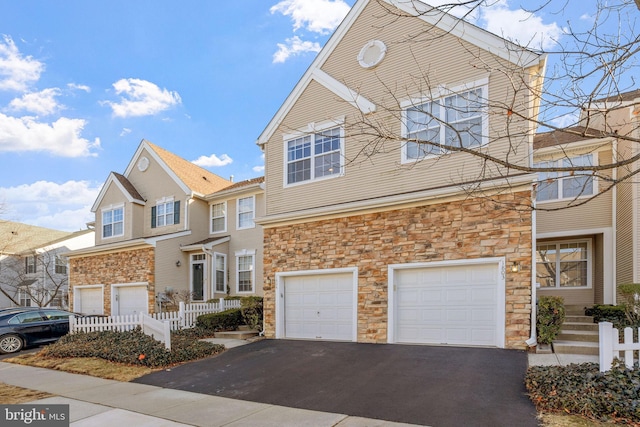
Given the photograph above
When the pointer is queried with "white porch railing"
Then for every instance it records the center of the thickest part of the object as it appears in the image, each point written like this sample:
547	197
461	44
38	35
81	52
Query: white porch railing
157	329
157	325
611	347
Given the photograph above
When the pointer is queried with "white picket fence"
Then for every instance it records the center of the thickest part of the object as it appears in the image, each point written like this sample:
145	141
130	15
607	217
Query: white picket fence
157	325
611	347
157	329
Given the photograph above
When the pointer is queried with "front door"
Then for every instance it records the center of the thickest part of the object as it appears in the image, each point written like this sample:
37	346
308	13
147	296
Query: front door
197	277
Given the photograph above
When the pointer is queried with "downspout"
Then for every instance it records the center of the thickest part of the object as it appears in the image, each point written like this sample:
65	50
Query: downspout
532	341
614	223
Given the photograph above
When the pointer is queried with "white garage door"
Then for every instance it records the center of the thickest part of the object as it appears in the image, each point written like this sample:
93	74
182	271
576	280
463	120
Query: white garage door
319	307
447	305
89	301
131	300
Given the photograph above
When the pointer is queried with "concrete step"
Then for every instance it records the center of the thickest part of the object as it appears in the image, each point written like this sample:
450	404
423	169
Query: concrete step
578	335
574	310
579	326
576	347
237	335
578	319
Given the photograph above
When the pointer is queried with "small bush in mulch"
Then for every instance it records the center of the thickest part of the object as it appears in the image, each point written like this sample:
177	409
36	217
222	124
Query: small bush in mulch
134	347
227	320
581	389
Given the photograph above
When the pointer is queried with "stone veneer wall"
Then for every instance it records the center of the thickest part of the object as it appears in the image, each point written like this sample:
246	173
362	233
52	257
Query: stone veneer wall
114	268
471	228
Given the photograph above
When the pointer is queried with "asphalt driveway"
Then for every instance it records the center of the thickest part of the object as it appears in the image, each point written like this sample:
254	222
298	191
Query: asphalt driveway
427	385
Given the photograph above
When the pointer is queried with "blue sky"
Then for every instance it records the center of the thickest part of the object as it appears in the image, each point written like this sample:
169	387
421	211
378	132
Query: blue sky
83	82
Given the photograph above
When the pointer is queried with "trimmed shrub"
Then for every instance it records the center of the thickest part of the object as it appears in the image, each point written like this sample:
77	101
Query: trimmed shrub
252	309
630	301
550	318
227	320
608	313
584	390
132	347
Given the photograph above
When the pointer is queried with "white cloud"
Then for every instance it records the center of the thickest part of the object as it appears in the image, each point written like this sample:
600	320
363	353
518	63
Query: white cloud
213	161
75	86
17	72
258	168
520	26
42	103
60	138
293	47
63	206
141	98
125	131
318	16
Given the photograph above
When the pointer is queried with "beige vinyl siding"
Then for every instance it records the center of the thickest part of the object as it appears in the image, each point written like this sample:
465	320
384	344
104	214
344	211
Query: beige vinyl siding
113	198
625	234
446	61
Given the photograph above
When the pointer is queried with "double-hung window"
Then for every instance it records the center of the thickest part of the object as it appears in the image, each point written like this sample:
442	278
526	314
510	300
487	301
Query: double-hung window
245	271
165	212
563	264
30	264
246	212
220	273
565	185
457	120
314	156
219	217
113	222
61	265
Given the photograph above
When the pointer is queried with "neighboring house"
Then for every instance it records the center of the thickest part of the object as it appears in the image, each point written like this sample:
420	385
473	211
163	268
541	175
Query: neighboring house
584	250
394	248
154	238
32	270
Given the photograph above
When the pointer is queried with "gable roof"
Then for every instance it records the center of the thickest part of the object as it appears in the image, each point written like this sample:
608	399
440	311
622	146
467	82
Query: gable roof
17	237
124	185
448	23
238	187
198	180
566	136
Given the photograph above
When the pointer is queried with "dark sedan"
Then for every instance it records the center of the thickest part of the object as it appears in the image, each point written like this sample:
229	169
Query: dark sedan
22	327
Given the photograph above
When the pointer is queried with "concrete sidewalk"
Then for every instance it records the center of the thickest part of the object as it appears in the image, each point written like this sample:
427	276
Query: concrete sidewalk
96	402
560	359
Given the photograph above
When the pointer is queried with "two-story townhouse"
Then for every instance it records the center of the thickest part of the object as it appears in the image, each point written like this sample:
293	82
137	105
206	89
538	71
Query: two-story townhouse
588	231
395	248
32	270
143	217
230	259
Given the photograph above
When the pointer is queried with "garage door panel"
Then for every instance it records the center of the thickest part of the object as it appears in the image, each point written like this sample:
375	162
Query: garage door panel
90	301
131	300
319	307
447	305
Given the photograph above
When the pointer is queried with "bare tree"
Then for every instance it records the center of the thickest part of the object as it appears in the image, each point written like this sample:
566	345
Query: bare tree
586	94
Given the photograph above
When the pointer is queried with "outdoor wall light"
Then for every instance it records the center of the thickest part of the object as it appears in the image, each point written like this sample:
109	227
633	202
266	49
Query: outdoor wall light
515	267
178	263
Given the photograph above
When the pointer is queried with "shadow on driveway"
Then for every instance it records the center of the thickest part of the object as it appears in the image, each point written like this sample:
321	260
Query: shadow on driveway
435	386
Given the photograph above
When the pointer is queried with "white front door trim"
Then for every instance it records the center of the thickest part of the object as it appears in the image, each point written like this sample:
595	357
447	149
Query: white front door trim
280	278
501	297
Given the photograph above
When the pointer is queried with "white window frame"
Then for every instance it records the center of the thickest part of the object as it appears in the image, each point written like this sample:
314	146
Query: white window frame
238	213
439	95
589	260
24	299
112	209
31	264
252	269
214	269
60	264
167	218
311	131
559	177
212	218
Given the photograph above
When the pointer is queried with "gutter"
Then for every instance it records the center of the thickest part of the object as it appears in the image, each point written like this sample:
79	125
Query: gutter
532	341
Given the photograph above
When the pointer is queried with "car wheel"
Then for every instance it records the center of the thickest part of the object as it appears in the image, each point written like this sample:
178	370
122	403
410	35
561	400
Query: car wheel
10	344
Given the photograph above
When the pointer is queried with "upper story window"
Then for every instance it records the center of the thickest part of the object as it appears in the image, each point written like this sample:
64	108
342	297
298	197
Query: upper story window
165	212
61	265
314	156
565	185
113	222
30	264
219	217
246	212
457	120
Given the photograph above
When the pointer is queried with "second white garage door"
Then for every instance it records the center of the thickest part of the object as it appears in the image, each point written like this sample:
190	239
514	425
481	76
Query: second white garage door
456	305
319	307
130	300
